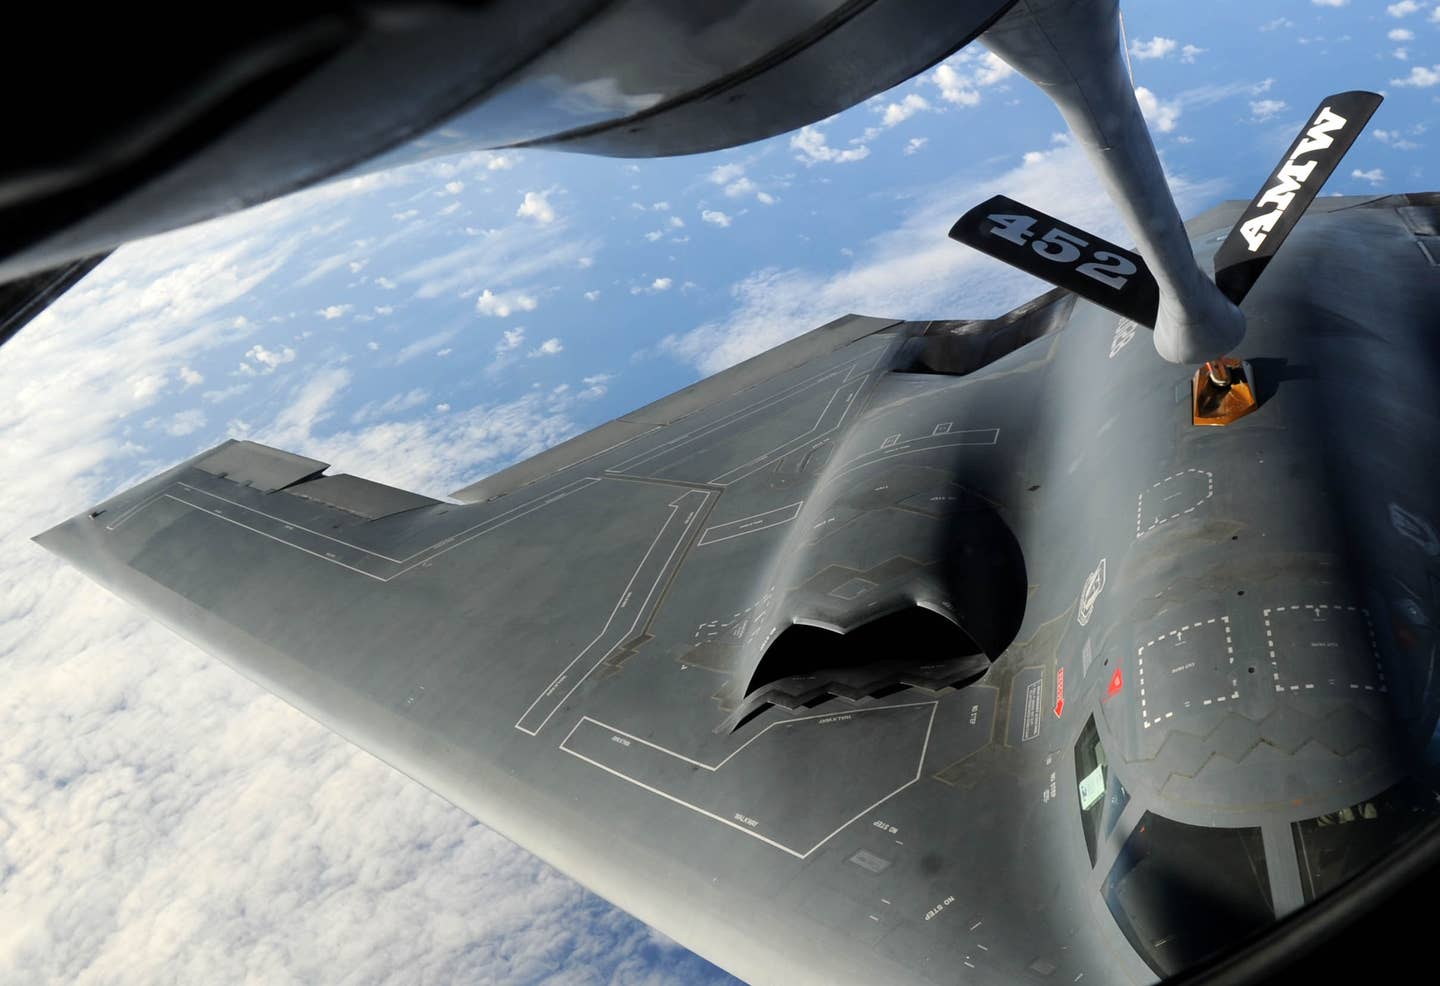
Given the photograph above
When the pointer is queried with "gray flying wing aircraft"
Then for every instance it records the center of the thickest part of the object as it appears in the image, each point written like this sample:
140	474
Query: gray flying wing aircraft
896	653
917	652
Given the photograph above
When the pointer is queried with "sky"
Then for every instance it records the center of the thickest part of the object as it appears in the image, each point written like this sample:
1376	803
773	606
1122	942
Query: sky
164	820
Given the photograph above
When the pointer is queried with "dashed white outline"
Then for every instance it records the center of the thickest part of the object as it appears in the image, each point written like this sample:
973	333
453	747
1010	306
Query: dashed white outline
1224	621
620	604
857	369
752	524
739	414
919	768
752	466
1090	594
860	591
882	455
506	517
444	544
1140	500
135	510
1310	685
1125	330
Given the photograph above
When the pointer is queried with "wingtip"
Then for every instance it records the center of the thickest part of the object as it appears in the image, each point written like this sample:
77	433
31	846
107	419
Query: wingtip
61	540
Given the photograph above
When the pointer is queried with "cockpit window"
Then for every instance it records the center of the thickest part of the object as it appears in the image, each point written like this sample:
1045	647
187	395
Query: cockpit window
1102	796
1337	845
1181	893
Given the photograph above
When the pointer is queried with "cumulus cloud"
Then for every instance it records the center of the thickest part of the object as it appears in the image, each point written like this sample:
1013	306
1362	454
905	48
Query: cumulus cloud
145	387
990	68
736	184
1329	3
190	377
550	347
454	187
1398	139
954	88
1156	47
715	218
1402	9
656	286
961	77
1264	109
269	358
1401	34
1160	114
894	114
1189	53
812	148
510	340
536	206
740	187
915	143
724	174
331	312
592	295
1420	77
503	305
1374	176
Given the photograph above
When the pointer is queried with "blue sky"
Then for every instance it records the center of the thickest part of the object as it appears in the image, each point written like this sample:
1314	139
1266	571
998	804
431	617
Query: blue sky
161	819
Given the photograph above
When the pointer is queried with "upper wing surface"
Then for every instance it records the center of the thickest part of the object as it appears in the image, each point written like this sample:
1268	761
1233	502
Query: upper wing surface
464	643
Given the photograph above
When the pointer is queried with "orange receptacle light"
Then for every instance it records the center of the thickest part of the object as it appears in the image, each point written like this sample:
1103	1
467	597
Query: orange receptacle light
1222	391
